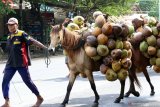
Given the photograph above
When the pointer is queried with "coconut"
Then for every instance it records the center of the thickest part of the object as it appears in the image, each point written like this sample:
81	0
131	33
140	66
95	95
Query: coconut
102	50
152	61
152	21
158	53
124	53
107	60
107	29
97	13
92	41
100	21
96	58
103	68
131	29
111	75
79	20
154	30
96	31
151	40
158	26
138	37
117	30
102	39
158	42
126	63
156	69
116	65
129	53
125	30
127	45
147	31
158	62
72	27
116	53
151	50
111	43
122	74
90	51
140	29
137	22
86	34
119	44
143	46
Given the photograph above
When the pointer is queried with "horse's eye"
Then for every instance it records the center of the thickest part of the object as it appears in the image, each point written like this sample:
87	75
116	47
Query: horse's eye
58	37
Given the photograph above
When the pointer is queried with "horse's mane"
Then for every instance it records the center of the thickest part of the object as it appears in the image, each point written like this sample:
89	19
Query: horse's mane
70	39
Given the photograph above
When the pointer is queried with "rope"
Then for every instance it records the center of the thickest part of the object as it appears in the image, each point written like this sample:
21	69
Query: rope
47	59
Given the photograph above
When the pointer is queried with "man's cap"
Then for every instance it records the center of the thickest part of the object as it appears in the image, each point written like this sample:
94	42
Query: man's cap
12	21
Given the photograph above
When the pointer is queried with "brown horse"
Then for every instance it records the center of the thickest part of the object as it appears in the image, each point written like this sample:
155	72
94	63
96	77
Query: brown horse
78	61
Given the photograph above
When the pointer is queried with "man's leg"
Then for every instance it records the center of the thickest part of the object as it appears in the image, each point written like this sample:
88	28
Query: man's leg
23	71
8	74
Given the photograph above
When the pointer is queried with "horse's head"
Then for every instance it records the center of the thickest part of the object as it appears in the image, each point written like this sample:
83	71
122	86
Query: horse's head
55	35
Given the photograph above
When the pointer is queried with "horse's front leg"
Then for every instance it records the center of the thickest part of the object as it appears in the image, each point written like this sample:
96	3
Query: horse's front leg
72	78
121	93
93	86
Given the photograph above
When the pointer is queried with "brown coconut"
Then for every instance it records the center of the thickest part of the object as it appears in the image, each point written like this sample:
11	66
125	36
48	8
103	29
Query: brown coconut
102	39
96	31
126	63
100	21
107	60
137	22
90	51
107	29
127	45
147	31
156	69
151	50
92	41
111	43
103	68
116	53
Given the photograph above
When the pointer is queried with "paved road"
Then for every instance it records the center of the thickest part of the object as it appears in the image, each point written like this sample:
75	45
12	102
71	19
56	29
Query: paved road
52	83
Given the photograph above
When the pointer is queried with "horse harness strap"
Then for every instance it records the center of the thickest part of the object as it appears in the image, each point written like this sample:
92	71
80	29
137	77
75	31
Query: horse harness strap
80	44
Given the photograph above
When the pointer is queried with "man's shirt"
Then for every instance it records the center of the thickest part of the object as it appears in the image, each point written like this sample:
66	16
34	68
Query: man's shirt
18	49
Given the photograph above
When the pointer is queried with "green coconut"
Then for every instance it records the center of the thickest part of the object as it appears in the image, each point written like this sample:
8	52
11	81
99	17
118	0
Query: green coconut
143	46
119	44
122	74
116	65
111	75
102	50
151	40
152	61
158	62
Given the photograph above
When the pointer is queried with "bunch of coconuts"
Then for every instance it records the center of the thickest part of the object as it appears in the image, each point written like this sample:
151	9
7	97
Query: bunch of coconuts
147	38
108	43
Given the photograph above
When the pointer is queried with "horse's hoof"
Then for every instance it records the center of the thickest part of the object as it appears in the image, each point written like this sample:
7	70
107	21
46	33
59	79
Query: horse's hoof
152	93
136	93
117	100
127	94
95	104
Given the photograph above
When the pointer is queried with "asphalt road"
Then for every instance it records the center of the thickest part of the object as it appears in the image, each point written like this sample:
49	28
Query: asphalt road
52	83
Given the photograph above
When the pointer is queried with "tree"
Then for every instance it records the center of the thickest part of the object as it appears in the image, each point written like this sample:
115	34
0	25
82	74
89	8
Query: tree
5	7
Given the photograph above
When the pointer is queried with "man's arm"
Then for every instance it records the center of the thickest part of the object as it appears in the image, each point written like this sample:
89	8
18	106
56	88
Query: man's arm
37	43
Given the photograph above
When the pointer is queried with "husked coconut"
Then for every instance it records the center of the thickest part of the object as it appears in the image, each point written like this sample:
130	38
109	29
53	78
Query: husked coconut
91	51
102	39
100	21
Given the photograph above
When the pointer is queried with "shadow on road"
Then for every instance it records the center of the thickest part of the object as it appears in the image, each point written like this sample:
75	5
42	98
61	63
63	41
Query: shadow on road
107	101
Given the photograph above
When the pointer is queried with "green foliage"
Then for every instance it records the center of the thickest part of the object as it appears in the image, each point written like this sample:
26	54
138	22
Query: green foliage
151	6
5	8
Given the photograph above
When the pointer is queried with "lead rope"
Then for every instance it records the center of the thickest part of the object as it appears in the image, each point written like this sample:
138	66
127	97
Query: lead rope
47	59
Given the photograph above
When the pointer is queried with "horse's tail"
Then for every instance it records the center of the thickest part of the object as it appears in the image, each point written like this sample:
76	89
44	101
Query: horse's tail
132	73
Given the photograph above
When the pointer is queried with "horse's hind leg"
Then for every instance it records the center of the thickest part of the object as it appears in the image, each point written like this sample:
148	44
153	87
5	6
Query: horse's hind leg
149	81
72	78
93	86
121	93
